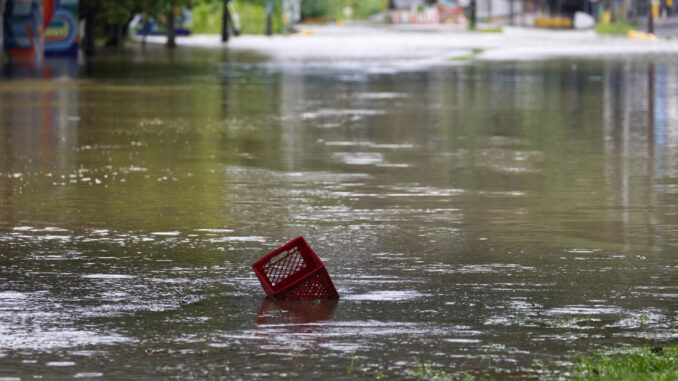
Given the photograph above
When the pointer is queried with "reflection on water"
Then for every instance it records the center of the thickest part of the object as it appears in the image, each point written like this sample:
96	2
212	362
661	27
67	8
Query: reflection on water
473	216
292	325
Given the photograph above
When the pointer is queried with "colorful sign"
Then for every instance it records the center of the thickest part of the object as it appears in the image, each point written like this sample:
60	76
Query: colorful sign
24	25
61	37
33	27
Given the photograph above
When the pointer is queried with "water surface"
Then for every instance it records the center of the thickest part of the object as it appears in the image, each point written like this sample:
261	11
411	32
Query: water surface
477	217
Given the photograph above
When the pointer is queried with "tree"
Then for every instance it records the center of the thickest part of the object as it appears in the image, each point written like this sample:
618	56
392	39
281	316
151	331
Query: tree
171	8
112	19
118	14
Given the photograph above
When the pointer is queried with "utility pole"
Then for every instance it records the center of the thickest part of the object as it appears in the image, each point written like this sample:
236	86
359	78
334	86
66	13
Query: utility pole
511	12
650	17
225	16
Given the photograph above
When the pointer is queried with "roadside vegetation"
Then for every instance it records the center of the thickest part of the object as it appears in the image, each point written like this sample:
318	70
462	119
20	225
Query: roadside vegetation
496	29
473	54
332	10
207	15
646	363
649	363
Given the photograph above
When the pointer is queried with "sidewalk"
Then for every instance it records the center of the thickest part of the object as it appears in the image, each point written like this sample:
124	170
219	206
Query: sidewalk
384	47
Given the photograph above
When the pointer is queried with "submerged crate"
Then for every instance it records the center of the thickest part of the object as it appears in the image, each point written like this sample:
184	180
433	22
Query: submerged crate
294	271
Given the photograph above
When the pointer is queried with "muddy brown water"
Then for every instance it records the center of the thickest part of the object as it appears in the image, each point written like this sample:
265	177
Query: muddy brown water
487	218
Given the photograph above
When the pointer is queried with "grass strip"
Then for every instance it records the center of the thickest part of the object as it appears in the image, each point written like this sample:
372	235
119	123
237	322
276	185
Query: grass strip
621	27
646	363
474	53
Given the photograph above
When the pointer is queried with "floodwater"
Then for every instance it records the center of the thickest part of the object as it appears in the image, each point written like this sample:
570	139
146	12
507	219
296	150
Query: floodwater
488	218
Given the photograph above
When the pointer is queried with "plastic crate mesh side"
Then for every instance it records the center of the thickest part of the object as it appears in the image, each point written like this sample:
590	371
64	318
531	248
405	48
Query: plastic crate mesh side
285	264
313	288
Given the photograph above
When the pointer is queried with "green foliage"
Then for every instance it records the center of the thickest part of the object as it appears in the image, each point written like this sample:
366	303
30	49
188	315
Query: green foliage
621	27
113	12
207	17
320	9
363	9
647	363
253	17
349	368
333	9
120	11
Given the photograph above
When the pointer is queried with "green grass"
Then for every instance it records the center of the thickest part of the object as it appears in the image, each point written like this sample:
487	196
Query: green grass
647	363
333	9
621	27
497	29
363	9
658	363
424	372
474	53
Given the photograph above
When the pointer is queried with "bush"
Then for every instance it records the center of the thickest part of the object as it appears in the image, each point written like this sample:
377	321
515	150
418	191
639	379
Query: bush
206	18
320	9
363	9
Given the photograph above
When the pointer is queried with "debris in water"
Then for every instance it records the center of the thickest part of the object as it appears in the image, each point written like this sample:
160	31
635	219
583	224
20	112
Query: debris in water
294	271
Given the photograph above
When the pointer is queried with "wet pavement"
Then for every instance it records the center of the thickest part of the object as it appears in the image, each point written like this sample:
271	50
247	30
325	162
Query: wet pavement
492	218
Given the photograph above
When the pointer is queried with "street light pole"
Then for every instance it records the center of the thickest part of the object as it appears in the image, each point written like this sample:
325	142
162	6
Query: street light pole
472	17
511	13
650	18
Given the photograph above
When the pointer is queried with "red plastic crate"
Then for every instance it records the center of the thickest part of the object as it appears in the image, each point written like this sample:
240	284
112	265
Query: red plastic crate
294	271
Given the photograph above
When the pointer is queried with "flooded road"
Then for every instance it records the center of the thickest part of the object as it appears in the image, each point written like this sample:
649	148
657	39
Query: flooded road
486	218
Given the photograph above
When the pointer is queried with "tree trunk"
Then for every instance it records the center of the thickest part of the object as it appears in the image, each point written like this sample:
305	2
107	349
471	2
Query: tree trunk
269	28
89	41
269	14
116	33
171	33
472	16
120	36
225	16
144	20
